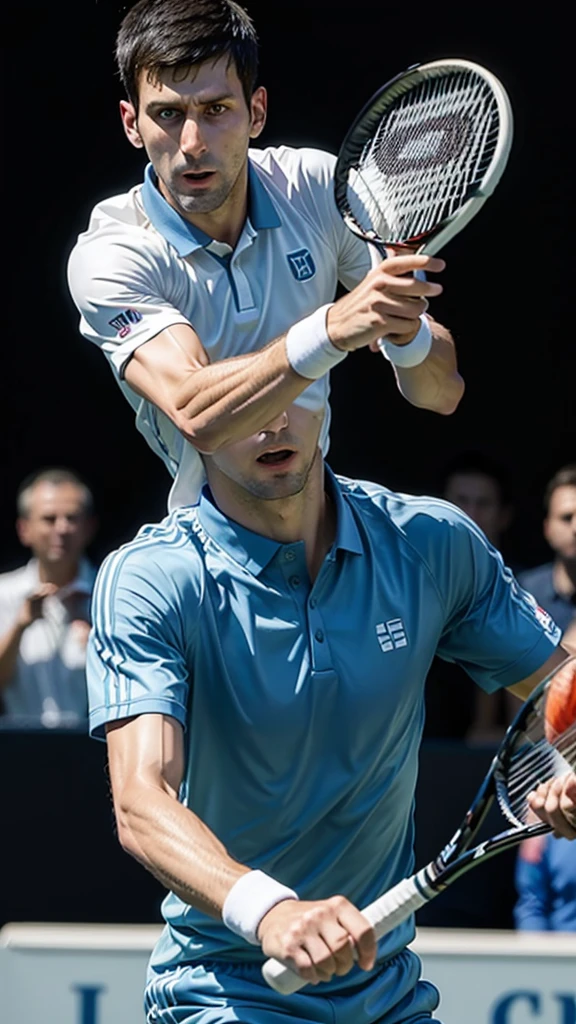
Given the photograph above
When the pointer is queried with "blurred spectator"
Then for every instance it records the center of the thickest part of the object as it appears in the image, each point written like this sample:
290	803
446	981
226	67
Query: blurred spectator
554	584
455	707
480	487
44	606
546	885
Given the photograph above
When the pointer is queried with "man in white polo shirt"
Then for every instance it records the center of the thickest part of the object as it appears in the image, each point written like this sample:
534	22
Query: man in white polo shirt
210	286
44	605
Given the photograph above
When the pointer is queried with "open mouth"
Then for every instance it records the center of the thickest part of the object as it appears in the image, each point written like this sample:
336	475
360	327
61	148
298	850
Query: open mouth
275	458
198	176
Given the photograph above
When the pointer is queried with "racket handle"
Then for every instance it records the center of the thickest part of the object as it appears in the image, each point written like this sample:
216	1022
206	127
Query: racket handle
384	914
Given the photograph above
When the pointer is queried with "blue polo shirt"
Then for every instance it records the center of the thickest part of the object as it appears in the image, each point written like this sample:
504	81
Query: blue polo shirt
303	704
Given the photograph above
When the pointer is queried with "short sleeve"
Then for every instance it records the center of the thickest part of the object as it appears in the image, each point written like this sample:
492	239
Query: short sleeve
137	652
494	629
124	286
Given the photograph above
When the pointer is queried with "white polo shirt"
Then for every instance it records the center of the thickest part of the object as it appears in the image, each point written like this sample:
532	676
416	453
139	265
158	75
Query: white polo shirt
141	267
49	683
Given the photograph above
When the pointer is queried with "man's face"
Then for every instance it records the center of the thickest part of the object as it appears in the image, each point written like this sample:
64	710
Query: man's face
196	131
478	495
274	463
57	529
560	523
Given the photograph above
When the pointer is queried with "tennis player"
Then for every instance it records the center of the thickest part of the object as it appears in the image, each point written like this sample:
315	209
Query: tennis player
210	286
257	666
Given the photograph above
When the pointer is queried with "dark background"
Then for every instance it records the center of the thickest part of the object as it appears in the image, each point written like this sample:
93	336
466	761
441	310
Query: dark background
508	291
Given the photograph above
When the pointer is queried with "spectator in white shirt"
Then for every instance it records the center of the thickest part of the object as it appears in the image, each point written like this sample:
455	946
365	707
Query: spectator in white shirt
44	605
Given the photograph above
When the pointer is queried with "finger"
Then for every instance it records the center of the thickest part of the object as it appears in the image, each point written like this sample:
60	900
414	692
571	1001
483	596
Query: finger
406	285
341	947
362	935
409	308
402	329
404	264
322	958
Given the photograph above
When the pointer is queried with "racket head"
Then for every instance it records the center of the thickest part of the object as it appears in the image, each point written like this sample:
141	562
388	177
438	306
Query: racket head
423	155
539	745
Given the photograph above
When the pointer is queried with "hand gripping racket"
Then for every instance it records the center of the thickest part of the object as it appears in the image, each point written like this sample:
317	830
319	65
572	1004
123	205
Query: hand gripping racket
423	155
539	745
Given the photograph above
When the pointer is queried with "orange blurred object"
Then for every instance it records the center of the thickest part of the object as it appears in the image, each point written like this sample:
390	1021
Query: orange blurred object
560	711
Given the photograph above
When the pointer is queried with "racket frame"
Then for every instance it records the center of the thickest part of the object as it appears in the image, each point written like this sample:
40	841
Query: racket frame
370	116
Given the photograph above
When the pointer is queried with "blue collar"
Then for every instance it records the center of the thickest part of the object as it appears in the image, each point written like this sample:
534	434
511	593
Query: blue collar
184	236
253	550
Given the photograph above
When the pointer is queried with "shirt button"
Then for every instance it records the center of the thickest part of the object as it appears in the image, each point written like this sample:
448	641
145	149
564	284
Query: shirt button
319	636
289	555
294	581
312	602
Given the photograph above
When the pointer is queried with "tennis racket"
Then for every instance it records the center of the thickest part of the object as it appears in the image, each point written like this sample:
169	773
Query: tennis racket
539	745
423	155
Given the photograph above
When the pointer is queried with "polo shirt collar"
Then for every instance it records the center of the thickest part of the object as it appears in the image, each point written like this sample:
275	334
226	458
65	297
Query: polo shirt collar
185	237
254	551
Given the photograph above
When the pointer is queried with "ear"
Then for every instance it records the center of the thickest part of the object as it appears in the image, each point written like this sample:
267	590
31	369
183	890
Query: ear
258	110
130	123
22	529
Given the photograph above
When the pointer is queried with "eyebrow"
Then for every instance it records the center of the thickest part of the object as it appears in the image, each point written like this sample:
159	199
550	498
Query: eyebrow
155	105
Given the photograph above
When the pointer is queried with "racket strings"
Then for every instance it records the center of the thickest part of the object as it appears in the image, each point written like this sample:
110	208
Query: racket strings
428	154
534	763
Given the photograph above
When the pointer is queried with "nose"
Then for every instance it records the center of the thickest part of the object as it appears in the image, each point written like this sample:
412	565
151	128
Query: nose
64	525
275	425
191	139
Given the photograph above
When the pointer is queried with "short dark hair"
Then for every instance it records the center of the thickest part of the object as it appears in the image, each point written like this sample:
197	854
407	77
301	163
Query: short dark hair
159	34
53	475
564	477
472	462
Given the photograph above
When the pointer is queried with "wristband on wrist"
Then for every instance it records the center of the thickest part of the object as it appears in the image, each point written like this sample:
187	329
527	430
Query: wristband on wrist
249	899
308	347
414	352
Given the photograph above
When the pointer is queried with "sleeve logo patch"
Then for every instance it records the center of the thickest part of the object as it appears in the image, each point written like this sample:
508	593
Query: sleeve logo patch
123	322
545	619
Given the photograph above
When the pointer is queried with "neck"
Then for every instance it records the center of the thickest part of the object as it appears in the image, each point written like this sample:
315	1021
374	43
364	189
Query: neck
308	516
564	578
60	574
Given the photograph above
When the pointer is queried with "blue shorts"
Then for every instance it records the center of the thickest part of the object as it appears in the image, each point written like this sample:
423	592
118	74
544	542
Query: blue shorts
223	993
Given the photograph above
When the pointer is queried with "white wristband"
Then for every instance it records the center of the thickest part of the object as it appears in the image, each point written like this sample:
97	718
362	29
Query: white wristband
249	899
414	352
308	347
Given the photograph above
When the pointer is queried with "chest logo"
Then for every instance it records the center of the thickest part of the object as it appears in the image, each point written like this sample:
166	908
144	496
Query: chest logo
301	264
391	635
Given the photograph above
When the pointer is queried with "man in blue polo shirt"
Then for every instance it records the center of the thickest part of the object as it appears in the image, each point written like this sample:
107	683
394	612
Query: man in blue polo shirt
257	666
210	287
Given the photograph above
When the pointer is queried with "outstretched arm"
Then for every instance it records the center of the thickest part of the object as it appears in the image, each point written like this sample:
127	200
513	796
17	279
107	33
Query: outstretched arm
146	757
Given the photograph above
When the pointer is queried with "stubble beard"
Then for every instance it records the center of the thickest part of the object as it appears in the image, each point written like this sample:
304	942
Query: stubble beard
201	203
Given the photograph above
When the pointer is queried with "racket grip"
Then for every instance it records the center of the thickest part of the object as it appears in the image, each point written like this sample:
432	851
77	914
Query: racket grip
384	914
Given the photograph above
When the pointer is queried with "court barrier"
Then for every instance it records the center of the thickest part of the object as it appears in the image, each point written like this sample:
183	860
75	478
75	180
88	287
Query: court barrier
94	974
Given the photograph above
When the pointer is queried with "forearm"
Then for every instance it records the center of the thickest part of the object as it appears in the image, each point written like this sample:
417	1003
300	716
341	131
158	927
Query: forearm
215	404
434	384
177	848
9	647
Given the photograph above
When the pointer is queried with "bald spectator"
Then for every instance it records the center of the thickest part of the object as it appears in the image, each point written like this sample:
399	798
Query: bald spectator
44	606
